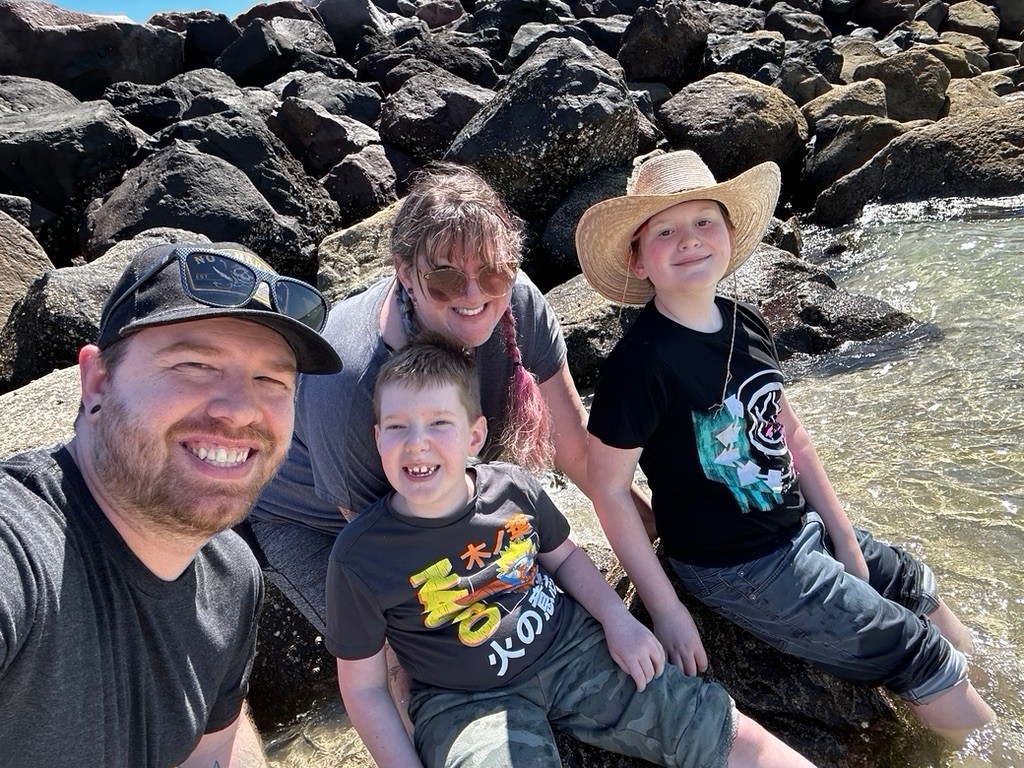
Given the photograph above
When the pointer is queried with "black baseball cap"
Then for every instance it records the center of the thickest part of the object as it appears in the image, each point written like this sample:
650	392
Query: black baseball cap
174	283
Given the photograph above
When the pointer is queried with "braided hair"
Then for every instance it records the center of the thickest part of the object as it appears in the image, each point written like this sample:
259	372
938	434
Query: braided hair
451	211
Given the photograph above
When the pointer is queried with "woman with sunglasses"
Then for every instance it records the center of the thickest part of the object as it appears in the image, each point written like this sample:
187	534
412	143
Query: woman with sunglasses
456	254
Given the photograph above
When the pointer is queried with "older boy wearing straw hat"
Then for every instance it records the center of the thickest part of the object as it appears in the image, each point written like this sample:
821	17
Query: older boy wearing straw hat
745	511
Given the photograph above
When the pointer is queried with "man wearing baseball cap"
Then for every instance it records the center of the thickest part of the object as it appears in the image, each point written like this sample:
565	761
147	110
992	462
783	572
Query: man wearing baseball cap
127	608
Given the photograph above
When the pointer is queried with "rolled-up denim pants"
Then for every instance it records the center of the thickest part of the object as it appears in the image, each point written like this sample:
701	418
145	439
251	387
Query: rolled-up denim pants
800	600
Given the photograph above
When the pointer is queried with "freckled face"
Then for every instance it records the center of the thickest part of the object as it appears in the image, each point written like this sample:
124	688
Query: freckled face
470	318
685	248
424	438
196	418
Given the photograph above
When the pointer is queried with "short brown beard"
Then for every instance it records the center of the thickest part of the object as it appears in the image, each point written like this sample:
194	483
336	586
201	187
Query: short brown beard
159	496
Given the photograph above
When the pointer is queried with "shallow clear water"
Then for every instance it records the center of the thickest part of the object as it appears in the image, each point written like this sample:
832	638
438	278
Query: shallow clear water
923	438
926	446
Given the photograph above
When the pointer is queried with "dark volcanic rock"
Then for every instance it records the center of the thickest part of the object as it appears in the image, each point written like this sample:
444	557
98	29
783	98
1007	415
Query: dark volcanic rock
61	158
977	154
559	116
22	260
83	53
426	114
734	123
182	187
338	96
245	141
20	94
665	43
319	139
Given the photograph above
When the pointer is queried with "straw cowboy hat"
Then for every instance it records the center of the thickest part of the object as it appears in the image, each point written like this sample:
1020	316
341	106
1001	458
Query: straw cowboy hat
606	228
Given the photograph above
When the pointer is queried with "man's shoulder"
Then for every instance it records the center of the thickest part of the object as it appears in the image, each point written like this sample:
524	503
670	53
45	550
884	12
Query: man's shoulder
30	481
229	553
21	467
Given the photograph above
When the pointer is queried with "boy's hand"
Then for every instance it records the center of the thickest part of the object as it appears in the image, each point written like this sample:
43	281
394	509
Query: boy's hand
681	640
636	650
852	559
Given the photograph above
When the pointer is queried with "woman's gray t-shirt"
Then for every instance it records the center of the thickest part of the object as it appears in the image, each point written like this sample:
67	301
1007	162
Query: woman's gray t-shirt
333	461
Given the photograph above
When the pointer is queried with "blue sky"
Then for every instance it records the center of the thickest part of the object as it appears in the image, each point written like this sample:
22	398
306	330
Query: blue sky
140	10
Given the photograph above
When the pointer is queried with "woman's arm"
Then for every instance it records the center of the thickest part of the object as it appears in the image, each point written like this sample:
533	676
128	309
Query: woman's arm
569	428
820	495
610	472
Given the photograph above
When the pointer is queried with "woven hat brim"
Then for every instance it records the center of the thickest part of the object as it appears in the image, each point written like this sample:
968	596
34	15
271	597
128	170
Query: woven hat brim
605	229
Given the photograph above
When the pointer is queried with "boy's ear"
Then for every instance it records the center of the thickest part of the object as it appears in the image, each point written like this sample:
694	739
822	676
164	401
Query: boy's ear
478	435
376	435
636	265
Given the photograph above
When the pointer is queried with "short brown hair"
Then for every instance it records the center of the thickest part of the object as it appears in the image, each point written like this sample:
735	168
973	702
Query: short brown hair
432	360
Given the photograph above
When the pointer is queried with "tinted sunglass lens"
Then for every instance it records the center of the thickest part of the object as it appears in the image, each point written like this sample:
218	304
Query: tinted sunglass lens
218	281
445	284
299	302
495	282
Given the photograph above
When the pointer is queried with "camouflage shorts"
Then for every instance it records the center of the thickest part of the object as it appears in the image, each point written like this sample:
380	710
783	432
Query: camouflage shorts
677	720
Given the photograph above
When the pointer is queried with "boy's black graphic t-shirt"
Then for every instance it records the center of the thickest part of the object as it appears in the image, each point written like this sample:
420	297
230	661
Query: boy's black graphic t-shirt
723	486
462	600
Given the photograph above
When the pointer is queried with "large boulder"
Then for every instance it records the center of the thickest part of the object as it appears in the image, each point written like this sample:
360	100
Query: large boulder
320	140
973	18
866	97
426	114
183	187
915	84
21	94
81	52
339	96
362	184
62	157
243	139
665	43
559	116
842	144
976	154
354	257
22	260
348	21
757	55
734	123
60	312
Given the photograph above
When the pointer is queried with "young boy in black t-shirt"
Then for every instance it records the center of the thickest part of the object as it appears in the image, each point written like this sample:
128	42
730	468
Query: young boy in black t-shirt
461	570
693	393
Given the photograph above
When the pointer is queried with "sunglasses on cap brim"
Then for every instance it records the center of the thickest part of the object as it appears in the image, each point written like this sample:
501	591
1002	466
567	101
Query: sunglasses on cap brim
219	279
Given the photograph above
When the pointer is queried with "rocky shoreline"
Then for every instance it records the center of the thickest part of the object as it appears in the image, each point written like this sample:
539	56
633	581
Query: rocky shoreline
294	128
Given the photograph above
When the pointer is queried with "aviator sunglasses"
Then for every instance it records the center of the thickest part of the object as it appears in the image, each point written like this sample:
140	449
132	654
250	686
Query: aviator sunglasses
449	283
221	280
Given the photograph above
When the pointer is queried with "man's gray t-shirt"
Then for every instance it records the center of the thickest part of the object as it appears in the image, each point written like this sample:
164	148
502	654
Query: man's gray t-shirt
333	460
102	663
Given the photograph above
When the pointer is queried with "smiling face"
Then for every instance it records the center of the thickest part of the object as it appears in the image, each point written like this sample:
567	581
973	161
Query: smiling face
195	418
684	249
470	318
424	436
